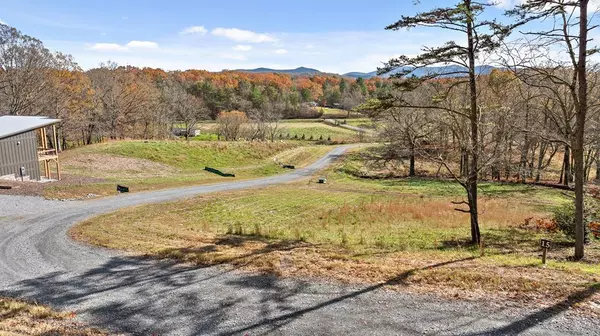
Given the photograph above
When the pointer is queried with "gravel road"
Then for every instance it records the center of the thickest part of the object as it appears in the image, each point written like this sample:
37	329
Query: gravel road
143	297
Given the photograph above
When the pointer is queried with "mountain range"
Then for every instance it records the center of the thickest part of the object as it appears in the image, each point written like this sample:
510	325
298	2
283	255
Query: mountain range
443	71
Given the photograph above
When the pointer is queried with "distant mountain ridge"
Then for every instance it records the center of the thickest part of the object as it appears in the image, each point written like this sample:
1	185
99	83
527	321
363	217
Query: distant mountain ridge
443	71
298	71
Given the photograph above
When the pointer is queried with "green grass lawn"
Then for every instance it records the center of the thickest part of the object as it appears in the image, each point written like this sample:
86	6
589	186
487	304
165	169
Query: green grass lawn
149	165
364	123
338	113
294	128
316	131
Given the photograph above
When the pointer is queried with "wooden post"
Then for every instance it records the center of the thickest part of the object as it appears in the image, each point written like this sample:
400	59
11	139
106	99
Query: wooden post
56	150
44	146
55	138
544	256
545	244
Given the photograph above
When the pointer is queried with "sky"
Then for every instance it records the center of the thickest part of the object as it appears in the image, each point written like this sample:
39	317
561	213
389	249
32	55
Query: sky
329	35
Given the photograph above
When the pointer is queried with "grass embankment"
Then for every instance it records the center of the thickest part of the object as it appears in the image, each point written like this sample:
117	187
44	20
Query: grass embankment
162	164
22	318
292	130
366	123
404	231
334	113
316	131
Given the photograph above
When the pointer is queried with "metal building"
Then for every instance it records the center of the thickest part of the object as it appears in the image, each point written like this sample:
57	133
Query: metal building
23	154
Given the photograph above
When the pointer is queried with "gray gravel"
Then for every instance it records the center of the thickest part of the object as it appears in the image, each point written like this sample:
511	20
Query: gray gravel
143	297
17	206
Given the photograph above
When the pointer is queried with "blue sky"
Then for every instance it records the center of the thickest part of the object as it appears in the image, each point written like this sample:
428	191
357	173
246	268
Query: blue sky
333	36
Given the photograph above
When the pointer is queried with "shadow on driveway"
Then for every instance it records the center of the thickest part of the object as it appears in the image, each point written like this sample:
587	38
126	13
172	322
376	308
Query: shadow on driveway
143	296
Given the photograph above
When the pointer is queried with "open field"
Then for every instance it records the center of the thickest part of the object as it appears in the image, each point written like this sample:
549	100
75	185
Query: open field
316	131
292	129
23	318
360	230
94	170
329	112
364	123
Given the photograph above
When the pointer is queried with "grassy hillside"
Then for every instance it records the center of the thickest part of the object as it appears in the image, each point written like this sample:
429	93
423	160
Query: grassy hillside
148	165
306	127
194	156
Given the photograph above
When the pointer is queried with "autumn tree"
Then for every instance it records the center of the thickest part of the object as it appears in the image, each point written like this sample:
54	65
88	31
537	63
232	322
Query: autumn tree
230	124
24	64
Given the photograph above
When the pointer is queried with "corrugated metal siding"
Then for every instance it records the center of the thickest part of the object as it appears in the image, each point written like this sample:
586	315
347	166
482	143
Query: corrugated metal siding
20	151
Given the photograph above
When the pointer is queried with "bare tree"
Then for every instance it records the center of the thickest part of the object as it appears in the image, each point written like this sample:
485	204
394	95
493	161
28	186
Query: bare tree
230	124
569	32
184	107
24	64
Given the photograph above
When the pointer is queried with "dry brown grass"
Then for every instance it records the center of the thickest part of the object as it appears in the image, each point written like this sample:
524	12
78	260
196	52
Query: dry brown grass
354	236
22	318
105	165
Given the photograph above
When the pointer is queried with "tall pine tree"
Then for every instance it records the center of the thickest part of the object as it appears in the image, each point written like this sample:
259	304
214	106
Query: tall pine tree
479	36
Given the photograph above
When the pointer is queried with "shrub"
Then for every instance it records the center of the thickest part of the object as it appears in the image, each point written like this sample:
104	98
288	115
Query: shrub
564	216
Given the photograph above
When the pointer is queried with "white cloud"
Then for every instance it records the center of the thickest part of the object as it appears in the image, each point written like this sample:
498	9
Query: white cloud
310	46
197	30
240	35
107	47
142	44
236	57
241	47
281	51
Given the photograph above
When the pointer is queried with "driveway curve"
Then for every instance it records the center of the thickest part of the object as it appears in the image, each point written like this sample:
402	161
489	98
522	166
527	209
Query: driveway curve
140	296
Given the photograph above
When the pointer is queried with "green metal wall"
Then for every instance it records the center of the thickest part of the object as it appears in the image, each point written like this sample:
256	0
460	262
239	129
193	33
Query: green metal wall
20	151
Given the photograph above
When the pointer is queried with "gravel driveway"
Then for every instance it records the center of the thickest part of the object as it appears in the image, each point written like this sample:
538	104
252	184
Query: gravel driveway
143	297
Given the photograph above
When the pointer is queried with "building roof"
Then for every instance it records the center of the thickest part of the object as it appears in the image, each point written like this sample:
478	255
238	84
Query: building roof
13	125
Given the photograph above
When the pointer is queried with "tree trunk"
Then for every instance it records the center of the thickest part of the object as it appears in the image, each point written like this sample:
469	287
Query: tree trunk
540	162
567	166
580	129
474	119
411	170
598	164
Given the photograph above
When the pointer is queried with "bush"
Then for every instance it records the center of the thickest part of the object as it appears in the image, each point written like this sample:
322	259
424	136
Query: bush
564	216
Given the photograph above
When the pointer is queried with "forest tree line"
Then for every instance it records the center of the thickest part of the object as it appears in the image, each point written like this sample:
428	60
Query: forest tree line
113	101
